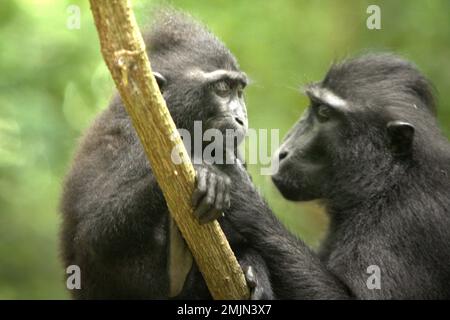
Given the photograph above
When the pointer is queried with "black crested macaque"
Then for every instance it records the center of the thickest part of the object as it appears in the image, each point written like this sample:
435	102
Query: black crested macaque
368	146
116	224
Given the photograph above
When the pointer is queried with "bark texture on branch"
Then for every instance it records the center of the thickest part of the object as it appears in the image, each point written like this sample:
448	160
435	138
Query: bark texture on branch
123	50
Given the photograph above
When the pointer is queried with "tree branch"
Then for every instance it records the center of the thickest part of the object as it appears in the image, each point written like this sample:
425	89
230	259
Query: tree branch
123	49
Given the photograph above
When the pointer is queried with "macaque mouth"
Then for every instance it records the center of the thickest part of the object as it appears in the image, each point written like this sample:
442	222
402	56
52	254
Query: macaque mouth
286	187
227	123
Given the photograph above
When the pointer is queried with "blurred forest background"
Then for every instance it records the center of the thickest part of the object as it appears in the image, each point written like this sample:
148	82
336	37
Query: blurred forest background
53	82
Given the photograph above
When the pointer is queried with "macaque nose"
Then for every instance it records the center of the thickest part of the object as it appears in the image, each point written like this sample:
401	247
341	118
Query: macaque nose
240	121
282	155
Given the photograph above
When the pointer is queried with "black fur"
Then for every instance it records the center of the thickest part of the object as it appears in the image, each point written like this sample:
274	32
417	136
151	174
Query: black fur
381	168
115	219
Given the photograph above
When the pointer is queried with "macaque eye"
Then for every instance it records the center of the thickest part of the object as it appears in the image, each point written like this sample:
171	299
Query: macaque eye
323	112
222	88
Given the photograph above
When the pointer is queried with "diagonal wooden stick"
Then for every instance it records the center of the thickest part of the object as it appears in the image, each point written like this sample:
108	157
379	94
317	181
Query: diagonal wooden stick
123	49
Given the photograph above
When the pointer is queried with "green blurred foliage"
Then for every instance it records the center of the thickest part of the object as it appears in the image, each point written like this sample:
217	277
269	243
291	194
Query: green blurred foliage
53	82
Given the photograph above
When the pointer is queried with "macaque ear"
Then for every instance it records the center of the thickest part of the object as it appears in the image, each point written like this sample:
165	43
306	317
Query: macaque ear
160	80
401	136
